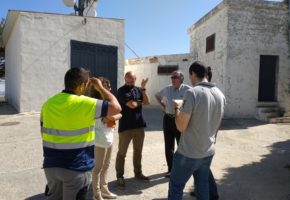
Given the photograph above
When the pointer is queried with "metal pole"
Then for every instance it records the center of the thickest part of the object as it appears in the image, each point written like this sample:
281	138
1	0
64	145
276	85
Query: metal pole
289	14
81	7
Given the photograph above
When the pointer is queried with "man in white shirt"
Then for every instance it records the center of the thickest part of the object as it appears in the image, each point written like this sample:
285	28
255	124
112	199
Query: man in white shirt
165	97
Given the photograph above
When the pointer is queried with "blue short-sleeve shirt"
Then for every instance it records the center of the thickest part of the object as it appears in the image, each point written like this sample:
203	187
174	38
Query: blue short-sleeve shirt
131	118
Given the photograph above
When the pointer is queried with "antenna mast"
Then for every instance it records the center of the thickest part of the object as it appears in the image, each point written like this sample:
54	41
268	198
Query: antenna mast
80	8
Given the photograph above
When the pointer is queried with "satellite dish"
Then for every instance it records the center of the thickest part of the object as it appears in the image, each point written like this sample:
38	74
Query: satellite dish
69	3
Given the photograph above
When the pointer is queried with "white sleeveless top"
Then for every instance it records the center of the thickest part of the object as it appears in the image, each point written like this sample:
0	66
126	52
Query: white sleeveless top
103	135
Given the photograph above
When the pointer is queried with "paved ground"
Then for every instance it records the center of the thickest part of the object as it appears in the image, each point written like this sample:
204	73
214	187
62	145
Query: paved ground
250	162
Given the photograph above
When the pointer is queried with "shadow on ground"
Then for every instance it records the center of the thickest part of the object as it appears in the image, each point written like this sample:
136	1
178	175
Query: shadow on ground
230	124
267	179
36	197
154	117
135	186
6	109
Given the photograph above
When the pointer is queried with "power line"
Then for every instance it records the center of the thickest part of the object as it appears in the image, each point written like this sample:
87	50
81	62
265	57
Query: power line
131	50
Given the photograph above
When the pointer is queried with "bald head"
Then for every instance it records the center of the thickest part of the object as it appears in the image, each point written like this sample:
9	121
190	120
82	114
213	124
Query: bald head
130	79
130	74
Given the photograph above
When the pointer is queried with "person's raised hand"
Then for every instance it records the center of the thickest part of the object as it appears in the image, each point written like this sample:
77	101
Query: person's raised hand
144	82
97	84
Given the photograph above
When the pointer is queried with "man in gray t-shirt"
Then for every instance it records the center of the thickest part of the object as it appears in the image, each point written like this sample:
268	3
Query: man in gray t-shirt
198	121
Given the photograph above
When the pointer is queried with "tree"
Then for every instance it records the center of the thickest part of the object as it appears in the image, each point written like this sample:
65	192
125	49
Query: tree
2	23
2	50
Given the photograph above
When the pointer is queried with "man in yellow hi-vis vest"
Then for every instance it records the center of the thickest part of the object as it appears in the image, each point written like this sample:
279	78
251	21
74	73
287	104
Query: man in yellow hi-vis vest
67	129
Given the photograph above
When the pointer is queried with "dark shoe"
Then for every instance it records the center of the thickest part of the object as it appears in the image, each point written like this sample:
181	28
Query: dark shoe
214	197
121	182
167	175
192	193
46	191
142	177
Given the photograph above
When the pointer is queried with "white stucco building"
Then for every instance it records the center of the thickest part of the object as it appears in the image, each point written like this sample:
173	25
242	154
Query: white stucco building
246	44
156	69
250	54
41	47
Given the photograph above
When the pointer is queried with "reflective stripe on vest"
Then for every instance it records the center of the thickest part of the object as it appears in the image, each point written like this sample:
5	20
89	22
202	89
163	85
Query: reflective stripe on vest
87	137
67	146
66	132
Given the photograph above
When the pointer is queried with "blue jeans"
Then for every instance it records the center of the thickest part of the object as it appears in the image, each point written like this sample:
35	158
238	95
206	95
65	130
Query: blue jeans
213	193
183	168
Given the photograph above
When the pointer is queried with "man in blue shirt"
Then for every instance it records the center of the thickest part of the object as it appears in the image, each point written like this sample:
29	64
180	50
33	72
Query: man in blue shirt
131	125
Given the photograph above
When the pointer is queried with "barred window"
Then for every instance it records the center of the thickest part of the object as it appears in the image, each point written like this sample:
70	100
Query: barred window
166	69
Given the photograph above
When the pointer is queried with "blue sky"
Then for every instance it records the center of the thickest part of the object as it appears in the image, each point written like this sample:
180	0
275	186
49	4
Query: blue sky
152	27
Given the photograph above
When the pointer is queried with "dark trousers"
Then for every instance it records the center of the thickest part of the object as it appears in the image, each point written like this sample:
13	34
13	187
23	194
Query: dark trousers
170	135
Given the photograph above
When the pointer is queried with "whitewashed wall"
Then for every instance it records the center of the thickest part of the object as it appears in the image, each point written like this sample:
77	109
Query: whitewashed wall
13	59
41	42
244	30
215	22
254	29
147	67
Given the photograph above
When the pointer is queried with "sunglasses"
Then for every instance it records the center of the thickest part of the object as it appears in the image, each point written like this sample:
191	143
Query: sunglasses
174	77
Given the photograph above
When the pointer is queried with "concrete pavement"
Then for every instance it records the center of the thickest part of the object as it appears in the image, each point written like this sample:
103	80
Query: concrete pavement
250	162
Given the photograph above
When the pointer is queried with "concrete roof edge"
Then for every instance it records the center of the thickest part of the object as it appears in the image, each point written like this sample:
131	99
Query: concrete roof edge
71	15
13	15
154	59
238	4
9	25
208	15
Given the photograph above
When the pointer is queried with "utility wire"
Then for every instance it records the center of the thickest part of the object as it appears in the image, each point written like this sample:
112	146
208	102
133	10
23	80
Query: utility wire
90	6
84	22
125	42
131	50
